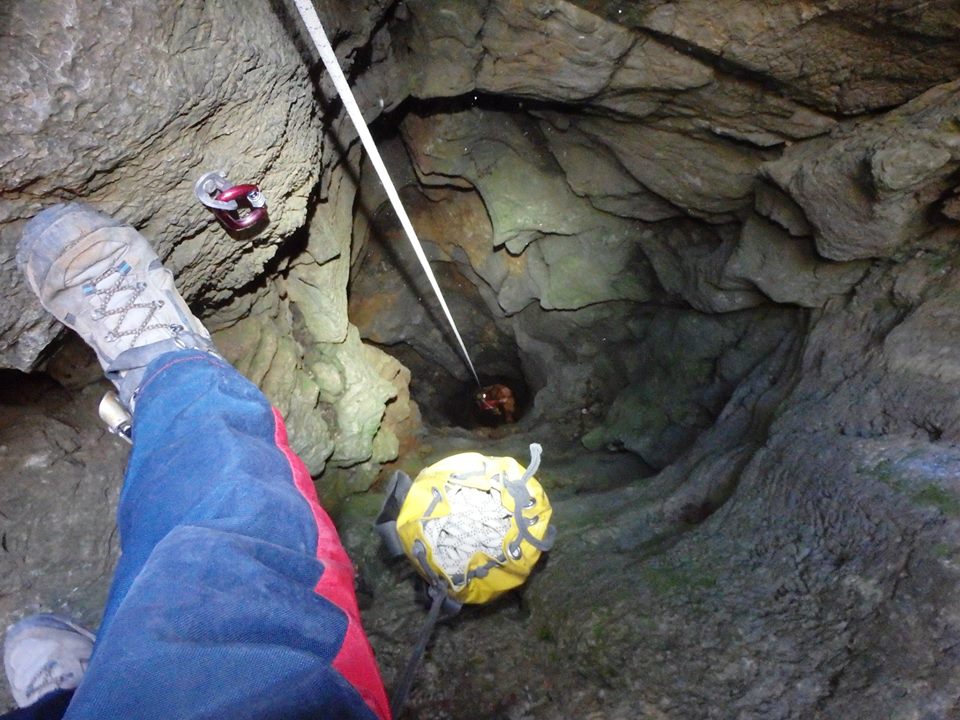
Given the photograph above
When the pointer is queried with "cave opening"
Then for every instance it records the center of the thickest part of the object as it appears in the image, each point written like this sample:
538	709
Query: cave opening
454	225
411	327
445	400
622	353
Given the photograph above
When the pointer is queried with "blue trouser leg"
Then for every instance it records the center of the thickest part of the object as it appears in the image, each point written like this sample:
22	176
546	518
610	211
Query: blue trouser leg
233	597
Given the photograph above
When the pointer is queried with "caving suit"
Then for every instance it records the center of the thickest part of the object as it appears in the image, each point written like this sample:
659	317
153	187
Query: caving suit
233	598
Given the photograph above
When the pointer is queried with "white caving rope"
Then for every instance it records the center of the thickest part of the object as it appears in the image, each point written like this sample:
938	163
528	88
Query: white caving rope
312	21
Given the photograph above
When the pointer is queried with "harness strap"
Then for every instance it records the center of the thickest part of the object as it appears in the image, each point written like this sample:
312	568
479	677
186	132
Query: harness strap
402	687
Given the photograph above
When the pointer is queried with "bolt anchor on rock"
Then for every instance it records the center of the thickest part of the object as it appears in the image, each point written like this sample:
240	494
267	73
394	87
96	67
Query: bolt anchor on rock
226	201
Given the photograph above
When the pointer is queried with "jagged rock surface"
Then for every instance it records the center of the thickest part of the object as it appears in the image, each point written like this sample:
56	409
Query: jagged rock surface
716	238
201	89
842	477
62	474
868	191
850	57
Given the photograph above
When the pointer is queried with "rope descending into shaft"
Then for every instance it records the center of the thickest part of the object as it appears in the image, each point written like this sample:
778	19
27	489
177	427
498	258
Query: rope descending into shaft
312	21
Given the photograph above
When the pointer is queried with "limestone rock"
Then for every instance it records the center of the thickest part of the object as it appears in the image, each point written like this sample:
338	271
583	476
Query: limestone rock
263	349
333	395
359	409
317	281
397	436
706	177
61	481
392	303
657	434
918	276
583	56
739	111
572	273
910	155
567	356
596	173
786	269
534	213
532	200
575	59
844	57
445	38
775	205
678	391
401	419
689	261
653	65
922	345
951	206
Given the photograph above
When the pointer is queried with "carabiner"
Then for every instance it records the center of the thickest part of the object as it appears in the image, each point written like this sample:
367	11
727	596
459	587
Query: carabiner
224	200
247	196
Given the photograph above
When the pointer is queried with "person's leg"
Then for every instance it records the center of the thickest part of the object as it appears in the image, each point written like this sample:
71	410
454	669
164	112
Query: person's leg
233	597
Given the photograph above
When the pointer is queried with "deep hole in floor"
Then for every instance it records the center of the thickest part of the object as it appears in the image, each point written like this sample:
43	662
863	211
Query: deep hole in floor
445	400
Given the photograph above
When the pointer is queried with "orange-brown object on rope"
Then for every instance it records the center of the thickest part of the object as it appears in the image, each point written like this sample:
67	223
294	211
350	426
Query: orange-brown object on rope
497	400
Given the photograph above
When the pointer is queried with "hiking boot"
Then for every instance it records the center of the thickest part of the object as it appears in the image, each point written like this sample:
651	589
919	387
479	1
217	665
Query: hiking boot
43	653
102	279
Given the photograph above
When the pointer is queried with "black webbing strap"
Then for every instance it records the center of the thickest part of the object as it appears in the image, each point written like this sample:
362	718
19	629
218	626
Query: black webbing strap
402	688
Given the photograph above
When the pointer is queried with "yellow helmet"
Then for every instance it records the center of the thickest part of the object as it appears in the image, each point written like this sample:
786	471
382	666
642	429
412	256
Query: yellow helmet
473	526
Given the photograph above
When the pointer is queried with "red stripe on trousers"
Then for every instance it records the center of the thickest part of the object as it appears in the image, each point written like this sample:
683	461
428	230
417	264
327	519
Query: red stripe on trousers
355	660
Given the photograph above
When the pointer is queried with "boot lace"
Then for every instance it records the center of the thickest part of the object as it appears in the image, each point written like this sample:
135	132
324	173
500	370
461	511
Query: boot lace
101	292
51	676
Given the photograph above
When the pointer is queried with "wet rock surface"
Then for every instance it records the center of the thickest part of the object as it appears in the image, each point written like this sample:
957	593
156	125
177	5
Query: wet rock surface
715	241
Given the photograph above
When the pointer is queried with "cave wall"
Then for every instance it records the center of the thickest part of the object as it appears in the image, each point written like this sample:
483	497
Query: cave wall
720	236
650	167
124	106
796	554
